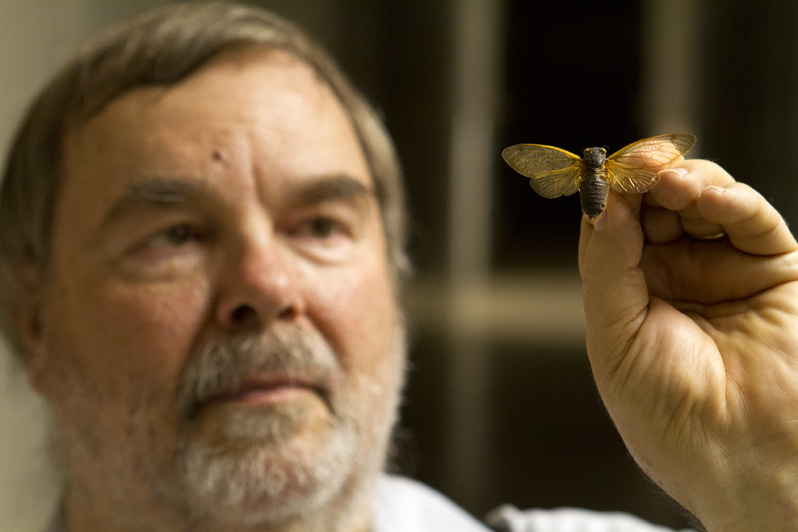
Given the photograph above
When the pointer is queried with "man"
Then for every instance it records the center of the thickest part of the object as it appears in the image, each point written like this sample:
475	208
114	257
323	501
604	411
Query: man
202	245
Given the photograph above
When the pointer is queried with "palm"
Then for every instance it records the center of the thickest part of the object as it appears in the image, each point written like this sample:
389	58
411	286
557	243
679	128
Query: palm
692	346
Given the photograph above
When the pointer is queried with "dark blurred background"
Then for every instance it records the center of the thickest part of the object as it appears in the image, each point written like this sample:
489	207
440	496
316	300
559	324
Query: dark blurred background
500	405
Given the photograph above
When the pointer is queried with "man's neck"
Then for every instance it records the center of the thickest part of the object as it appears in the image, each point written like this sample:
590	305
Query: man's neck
350	512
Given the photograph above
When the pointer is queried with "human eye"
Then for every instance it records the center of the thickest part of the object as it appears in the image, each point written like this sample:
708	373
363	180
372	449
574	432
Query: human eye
322	228
323	231
174	236
326	234
178	241
155	249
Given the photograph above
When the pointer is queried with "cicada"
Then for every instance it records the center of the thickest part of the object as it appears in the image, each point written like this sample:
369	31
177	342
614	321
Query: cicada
555	172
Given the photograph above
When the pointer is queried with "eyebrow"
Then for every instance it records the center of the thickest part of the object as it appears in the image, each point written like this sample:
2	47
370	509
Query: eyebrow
163	190
156	192
331	188
170	191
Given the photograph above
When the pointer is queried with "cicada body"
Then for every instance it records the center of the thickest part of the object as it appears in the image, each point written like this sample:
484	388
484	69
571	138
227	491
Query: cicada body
593	193
555	172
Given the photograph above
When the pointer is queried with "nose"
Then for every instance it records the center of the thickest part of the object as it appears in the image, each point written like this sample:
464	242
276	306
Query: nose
258	285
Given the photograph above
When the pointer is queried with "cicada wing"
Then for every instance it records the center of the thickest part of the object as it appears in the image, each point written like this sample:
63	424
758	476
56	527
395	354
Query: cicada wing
553	172
564	182
634	180
635	168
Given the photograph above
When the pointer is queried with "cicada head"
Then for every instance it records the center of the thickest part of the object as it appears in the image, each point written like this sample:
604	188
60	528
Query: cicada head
594	157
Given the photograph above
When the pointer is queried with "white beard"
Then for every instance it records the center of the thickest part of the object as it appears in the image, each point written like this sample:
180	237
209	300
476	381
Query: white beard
263	470
246	467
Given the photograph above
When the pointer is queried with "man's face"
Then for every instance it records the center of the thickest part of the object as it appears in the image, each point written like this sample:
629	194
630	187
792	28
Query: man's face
217	334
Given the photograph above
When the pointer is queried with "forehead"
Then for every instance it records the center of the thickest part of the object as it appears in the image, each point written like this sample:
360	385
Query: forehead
262	112
267	90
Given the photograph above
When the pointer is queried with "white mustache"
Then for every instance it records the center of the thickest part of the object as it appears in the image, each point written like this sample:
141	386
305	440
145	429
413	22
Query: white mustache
285	353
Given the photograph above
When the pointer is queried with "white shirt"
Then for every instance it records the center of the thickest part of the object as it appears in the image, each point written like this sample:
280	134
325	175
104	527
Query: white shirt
404	505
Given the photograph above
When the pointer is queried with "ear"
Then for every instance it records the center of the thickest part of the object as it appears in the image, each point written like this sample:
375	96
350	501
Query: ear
27	318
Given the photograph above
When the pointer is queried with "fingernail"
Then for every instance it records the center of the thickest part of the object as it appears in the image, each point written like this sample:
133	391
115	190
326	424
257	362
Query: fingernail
717	189
673	172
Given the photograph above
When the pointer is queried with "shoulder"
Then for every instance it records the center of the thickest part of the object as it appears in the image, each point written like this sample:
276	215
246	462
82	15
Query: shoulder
404	505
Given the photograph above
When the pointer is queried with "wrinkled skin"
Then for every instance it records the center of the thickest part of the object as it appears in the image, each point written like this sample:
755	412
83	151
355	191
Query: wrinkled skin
237	203
694	345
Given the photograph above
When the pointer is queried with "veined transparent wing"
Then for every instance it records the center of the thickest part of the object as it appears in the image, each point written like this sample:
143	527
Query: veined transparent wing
635	167
553	172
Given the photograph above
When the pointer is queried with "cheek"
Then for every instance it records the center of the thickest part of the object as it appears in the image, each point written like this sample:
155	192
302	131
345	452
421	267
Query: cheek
157	327
356	312
114	354
124	340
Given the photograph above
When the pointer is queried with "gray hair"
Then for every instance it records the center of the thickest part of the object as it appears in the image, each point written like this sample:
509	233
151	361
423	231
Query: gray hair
161	47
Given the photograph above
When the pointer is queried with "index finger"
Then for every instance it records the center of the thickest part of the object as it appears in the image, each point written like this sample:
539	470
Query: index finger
682	182
754	226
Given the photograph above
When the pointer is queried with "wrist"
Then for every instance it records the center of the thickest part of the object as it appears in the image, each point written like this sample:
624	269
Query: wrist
769	503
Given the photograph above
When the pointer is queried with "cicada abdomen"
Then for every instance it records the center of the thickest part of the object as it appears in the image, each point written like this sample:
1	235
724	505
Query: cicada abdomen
593	193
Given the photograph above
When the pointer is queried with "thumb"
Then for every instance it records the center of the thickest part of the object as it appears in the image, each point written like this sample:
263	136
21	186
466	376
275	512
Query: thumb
613	285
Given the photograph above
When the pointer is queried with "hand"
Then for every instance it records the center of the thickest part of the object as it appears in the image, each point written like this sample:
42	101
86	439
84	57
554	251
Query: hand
694	344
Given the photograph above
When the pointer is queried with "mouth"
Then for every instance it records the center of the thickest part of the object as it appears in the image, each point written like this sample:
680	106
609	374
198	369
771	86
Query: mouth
263	391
